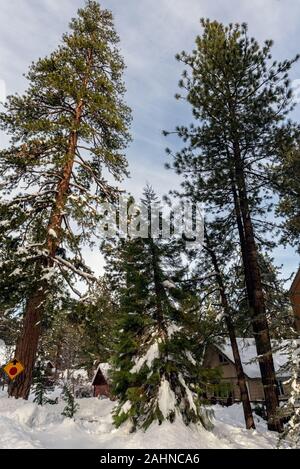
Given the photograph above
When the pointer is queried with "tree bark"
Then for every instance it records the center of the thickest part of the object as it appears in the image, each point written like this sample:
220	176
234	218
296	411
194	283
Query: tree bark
231	331
255	295
27	345
26	349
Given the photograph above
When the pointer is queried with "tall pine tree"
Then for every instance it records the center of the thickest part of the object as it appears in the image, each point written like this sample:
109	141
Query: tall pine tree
240	99
67	128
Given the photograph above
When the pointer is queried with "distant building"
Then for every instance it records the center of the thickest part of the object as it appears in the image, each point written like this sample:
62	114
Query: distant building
222	357
100	381
295	299
49	370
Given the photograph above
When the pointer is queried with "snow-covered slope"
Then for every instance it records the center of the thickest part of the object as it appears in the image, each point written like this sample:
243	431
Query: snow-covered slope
26	425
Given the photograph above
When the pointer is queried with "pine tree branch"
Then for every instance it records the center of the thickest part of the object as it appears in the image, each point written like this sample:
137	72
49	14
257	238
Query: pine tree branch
74	290
68	265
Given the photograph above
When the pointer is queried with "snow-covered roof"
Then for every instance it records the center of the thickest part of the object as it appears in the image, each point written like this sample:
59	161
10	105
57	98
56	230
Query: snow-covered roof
104	368
169	284
248	353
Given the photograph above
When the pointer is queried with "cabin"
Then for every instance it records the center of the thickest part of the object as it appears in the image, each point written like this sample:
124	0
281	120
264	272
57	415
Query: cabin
295	299
222	357
49	372
49	367
100	382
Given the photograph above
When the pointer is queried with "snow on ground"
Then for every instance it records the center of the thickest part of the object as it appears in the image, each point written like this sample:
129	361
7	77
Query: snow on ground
23	424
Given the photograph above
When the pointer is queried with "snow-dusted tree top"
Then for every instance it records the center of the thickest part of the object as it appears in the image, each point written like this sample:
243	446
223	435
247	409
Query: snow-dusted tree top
68	133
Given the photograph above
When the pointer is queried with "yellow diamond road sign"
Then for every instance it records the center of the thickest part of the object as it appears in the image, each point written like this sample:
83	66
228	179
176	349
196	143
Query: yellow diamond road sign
13	369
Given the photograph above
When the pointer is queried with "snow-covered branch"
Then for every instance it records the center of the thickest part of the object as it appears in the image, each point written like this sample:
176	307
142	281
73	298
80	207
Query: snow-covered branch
69	265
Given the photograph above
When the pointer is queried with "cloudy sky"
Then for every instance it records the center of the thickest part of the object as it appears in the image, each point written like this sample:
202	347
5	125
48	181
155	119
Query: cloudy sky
151	34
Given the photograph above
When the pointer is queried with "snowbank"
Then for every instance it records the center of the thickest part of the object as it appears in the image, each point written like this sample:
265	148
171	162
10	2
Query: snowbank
26	425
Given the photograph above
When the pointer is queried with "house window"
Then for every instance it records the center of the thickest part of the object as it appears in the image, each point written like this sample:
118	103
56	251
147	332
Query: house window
280	388
223	390
223	359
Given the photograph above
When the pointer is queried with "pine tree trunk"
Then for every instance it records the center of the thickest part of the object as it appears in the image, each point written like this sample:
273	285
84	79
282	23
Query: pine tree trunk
240	375
231	331
27	345
256	296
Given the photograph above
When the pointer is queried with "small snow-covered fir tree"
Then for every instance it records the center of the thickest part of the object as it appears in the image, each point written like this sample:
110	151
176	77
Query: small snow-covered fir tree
39	385
71	406
156	374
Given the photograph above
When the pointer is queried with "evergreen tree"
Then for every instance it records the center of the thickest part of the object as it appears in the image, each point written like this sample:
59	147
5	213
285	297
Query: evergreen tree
9	326
79	333
39	385
211	249
278	304
279	312
278	307
286	180
71	406
156	368
66	129
42	385
219	274
97	317
62	337
240	100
